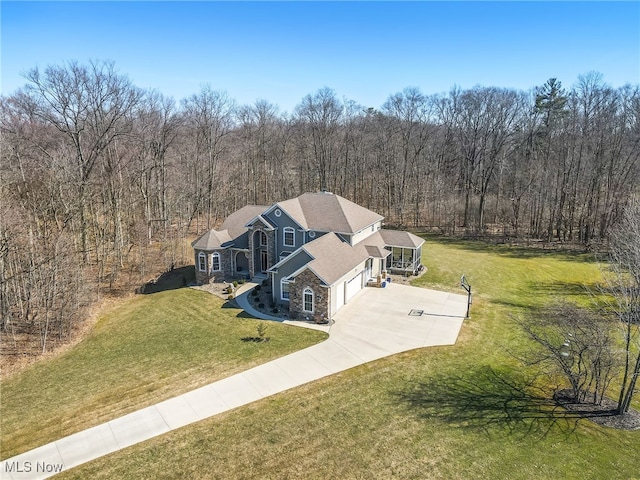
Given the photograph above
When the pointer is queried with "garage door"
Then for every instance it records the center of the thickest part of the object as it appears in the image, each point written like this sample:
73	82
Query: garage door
354	286
339	296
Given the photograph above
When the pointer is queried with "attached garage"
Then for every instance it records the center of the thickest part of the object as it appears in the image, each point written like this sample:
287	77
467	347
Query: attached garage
331	267
340	288
353	286
345	291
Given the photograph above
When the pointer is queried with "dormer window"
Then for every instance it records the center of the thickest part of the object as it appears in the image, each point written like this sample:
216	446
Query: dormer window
289	238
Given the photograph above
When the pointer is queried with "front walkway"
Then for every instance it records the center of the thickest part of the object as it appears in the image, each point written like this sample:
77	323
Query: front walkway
376	323
242	299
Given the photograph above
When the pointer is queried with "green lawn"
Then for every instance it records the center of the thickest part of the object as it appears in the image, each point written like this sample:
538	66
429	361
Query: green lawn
448	412
145	350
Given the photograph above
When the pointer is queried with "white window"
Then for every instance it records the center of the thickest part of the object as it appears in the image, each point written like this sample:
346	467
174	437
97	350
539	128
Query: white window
284	289
307	298
289	238
215	262
312	234
202	262
263	239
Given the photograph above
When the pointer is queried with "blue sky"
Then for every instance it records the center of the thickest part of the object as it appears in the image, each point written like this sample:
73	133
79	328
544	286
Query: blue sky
365	51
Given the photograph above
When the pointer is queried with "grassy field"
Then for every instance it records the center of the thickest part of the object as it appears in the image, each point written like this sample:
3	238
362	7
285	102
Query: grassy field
146	349
448	412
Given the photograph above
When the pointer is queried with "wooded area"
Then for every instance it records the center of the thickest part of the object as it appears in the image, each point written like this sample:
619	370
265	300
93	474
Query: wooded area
102	180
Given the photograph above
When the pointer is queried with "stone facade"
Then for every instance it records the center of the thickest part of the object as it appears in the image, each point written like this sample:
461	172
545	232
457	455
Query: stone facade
227	264
226	268
208	276
202	277
321	295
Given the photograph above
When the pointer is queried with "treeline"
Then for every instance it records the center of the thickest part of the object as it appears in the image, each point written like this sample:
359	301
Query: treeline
100	178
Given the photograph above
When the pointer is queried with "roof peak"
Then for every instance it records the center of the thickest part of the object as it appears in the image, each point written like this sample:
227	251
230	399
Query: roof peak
321	192
327	211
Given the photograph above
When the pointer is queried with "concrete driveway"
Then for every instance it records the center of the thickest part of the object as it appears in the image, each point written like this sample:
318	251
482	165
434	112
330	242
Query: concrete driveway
376	323
382	321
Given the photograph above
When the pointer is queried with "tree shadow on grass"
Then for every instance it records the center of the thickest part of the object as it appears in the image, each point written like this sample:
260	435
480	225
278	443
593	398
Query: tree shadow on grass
232	304
565	289
244	314
170	280
489	400
255	339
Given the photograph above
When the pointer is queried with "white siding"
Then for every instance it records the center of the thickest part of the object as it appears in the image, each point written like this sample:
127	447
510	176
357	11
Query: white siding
338	291
358	237
341	284
353	286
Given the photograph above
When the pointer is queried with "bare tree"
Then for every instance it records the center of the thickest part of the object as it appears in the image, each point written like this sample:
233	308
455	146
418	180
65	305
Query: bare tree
93	169
157	128
209	117
258	143
624	283
89	105
409	113
577	345
320	115
39	292
583	345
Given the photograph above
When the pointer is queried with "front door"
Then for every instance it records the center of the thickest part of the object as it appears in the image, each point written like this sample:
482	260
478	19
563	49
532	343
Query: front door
264	261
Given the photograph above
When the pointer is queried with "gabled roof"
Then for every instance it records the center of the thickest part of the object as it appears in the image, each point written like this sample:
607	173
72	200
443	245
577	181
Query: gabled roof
374	244
327	212
284	260
377	252
398	238
332	258
213	240
261	219
231	230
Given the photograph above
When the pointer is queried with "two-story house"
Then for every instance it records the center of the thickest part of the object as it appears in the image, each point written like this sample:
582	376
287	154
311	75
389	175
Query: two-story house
318	251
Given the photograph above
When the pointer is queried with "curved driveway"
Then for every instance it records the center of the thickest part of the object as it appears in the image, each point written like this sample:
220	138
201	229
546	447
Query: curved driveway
374	324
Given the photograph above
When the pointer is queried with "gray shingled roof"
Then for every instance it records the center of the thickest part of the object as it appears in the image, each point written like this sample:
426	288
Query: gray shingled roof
236	222
212	240
374	244
328	212
332	258
377	252
398	238
231	230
